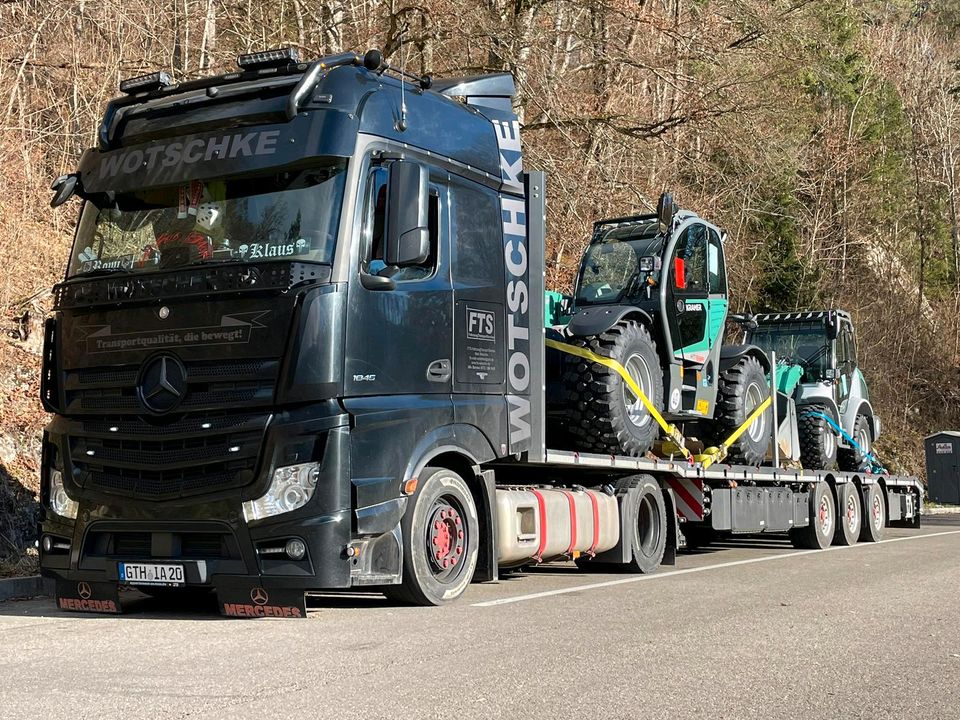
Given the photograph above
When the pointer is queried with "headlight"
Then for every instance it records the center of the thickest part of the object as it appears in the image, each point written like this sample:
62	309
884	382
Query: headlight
291	488
60	502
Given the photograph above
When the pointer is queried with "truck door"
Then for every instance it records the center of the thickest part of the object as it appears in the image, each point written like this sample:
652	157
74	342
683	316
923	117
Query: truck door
689	290
399	341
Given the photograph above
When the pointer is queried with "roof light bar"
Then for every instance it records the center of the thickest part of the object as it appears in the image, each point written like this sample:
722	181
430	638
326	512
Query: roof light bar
269	58
145	83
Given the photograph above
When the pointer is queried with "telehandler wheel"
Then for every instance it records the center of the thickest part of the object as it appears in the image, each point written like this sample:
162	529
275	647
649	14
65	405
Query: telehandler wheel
441	539
742	388
874	515
818	444
851	459
818	534
605	415
849	515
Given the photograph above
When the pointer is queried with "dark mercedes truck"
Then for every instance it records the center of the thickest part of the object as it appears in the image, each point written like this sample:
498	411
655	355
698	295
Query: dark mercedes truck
299	346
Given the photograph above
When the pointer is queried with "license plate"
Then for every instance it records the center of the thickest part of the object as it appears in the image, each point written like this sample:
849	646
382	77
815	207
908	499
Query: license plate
151	574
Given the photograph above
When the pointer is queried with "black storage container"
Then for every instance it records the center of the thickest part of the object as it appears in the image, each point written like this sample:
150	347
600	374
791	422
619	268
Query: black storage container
943	467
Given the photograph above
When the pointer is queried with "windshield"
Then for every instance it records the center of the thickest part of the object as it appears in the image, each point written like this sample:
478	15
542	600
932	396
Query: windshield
804	345
611	268
288	215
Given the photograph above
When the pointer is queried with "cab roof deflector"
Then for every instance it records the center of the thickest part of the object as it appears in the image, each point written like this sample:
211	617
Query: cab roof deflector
493	91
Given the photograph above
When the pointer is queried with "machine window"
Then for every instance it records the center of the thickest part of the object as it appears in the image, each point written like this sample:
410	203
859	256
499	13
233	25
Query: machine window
691	251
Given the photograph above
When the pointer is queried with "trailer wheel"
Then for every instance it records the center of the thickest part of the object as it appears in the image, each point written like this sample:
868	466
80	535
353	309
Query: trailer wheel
818	534
851	459
818	444
440	540
604	414
874	515
650	528
741	389
849	515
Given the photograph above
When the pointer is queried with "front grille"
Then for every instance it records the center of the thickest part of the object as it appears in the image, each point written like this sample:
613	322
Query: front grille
210	386
132	544
133	457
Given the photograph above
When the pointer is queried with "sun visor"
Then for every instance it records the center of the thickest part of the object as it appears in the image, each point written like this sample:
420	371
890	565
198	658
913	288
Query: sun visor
224	152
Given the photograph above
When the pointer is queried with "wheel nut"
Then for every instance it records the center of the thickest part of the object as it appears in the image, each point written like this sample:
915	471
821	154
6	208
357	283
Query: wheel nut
460	534
459	551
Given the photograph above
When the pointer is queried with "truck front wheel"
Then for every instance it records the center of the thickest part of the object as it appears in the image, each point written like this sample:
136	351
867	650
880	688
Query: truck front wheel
441	539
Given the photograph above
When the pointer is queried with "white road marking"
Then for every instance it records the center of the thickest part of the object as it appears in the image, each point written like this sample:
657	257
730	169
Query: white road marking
703	568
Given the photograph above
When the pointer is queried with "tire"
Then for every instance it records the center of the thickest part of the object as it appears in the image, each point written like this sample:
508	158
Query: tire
849	515
818	444
604	415
874	524
741	388
649	539
851	459
818	534
441	516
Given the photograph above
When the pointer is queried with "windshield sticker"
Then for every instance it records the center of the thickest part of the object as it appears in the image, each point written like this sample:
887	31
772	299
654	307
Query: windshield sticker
235	329
168	155
254	251
89	261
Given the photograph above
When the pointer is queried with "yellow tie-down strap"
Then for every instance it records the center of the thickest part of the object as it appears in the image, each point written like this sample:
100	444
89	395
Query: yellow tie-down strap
670	430
718	454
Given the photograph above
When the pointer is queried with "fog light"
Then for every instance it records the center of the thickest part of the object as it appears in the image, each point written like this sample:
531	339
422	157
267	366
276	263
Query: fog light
295	549
47	543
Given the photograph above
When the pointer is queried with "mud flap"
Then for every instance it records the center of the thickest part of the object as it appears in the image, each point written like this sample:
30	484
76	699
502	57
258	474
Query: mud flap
248	599
90	597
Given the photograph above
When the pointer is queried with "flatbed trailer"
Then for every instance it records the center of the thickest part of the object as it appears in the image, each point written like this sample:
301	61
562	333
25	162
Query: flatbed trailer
269	414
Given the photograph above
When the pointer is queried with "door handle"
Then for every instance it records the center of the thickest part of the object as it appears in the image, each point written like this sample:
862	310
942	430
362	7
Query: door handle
439	370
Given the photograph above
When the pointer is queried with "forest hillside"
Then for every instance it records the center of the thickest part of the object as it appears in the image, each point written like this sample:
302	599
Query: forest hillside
824	136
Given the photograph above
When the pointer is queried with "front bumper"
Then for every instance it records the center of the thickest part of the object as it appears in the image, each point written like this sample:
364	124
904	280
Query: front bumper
218	549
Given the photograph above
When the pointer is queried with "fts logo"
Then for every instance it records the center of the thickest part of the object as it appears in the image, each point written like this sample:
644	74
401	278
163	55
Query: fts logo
480	325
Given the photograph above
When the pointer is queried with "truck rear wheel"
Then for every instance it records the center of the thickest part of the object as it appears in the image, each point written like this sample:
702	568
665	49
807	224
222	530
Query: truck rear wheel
441	539
851	459
742	388
874	515
818	444
650	528
849	515
818	534
605	414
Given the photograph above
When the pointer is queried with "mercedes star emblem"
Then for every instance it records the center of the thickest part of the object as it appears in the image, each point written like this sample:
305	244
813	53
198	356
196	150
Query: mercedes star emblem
163	383
84	591
259	596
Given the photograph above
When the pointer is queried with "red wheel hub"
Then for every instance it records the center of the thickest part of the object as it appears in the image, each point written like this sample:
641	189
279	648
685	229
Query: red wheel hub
446	540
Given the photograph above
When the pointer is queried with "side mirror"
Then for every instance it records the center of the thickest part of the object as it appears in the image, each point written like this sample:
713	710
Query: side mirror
64	188
665	212
408	231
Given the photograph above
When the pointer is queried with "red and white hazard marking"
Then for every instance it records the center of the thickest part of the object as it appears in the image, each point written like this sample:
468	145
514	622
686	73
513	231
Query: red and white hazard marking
689	495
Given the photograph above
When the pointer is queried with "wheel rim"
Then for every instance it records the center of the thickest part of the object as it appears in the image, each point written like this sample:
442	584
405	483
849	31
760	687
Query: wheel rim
829	443
863	440
757	429
648	526
853	514
824	516
446	538
876	510
637	369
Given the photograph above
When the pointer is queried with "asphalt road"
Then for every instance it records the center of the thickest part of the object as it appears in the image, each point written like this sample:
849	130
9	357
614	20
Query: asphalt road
751	629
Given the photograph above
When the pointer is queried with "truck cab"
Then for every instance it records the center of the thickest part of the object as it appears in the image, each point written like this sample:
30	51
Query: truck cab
292	288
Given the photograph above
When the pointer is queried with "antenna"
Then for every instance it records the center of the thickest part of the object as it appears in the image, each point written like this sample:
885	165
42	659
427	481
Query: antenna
402	125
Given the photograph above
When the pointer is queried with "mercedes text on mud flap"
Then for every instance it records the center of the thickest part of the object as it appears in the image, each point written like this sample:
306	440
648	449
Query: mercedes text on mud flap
299	346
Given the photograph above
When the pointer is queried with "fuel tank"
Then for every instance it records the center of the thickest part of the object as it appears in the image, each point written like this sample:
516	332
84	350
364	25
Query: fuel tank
541	524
